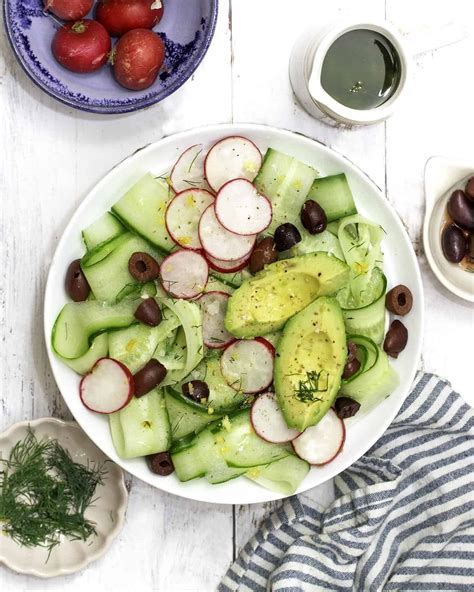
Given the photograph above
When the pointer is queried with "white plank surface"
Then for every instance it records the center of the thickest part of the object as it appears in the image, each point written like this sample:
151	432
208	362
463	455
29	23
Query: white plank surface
50	156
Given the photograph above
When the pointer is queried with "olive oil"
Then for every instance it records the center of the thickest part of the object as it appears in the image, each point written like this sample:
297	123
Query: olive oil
361	69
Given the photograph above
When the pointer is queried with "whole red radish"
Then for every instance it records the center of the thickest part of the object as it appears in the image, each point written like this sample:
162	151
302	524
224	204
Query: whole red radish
121	16
82	46
68	10
138	56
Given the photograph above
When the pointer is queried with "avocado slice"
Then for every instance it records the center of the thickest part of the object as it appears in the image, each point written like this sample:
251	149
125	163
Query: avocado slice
265	302
309	363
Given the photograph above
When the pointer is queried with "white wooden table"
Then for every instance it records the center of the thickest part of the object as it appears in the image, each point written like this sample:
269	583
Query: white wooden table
50	156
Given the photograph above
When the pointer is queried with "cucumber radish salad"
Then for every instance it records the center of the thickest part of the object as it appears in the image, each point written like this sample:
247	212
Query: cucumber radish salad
230	316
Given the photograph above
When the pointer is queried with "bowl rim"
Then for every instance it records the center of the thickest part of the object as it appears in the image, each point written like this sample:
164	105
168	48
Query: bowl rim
250	128
119	109
89	556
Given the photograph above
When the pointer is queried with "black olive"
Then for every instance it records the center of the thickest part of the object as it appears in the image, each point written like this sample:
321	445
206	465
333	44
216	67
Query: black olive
461	210
77	285
197	390
454	243
286	236
396	339
351	351
346	407
313	217
143	267
149	377
469	189
161	463
263	254
149	313
399	300
470	248
351	368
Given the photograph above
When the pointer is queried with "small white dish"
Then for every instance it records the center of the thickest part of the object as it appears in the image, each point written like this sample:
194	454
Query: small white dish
442	177
401	267
108	511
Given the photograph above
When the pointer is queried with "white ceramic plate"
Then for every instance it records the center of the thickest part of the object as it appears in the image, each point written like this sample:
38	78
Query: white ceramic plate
400	266
442	177
108	511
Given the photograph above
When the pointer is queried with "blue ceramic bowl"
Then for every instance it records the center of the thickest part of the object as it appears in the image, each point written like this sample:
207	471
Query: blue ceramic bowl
187	28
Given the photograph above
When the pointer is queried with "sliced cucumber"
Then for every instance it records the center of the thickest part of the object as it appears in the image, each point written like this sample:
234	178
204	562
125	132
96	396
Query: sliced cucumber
367	320
143	209
378	380
334	195
102	230
233	280
135	345
286	182
185	416
222	397
172	351
102	250
78	322
99	349
311	243
240	445
142	427
283	476
189	315
224	450
214	284
360	241
109	276
333	227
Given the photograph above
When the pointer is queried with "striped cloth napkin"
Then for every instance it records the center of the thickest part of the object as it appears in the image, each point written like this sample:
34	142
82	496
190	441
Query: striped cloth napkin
403	518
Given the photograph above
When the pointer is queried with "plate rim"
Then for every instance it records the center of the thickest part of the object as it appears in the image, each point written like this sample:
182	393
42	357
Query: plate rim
249	128
120	510
116	110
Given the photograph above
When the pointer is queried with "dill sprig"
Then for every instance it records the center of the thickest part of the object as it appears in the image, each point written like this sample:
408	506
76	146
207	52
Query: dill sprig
44	494
315	382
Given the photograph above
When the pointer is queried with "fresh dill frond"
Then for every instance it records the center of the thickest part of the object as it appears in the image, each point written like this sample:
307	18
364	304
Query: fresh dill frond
315	382
44	494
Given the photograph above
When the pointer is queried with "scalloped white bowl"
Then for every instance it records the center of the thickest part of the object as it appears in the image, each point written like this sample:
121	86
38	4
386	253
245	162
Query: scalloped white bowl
400	264
108	511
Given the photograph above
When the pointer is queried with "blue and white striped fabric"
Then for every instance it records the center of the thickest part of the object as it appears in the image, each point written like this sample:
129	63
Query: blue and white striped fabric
403	518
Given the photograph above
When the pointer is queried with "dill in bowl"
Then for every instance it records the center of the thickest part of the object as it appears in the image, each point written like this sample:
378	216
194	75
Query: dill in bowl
44	494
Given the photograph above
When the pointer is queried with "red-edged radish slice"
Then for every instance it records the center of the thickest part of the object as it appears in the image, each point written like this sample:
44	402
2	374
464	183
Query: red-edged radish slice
247	366
242	209
108	387
184	274
268	421
320	443
188	172
227	266
183	214
219	242
234	157
214	306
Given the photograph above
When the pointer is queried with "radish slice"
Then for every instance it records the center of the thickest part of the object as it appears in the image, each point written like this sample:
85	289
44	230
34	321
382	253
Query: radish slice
108	387
219	242
214	306
232	158
184	274
227	266
188	172
247	366
183	215
242	209
320	443
268	421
